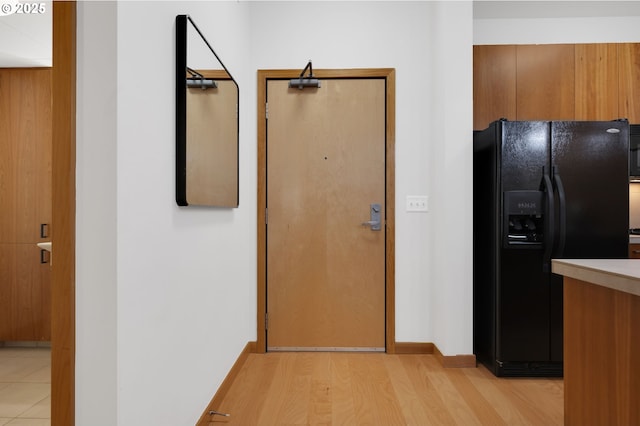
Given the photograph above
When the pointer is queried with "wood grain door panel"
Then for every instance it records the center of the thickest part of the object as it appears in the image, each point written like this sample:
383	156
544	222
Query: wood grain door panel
325	167
494	84
629	80
545	82
25	197
25	145
596	81
25	294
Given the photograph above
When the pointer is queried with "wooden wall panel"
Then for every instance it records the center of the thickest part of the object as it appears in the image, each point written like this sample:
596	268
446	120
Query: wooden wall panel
494	84
596	81
545	82
629	81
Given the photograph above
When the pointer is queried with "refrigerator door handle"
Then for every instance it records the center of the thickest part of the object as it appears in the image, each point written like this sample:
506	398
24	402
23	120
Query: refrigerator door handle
549	231
562	211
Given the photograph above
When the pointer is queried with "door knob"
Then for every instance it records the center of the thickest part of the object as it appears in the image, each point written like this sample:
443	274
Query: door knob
374	222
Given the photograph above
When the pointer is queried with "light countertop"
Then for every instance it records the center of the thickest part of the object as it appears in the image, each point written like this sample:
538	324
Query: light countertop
617	274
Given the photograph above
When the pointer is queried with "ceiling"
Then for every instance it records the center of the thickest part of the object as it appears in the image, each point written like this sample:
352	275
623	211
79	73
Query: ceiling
25	39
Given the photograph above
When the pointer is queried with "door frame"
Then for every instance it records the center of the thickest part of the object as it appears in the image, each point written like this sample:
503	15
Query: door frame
63	166
389	75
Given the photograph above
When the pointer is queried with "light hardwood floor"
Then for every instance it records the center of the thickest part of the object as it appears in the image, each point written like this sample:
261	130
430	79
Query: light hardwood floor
379	389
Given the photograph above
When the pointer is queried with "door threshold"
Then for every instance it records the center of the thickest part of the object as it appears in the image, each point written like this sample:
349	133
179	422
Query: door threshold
323	349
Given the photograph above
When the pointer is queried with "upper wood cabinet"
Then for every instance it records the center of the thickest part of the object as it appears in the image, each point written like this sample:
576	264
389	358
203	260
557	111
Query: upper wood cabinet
629	81
523	82
556	82
494	84
545	82
596	82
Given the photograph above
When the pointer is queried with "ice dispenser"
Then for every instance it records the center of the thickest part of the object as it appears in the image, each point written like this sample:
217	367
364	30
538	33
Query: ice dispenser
523	219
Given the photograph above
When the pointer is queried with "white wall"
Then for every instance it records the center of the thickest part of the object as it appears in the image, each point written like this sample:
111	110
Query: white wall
186	276
166	296
96	227
555	30
634	205
537	22
450	172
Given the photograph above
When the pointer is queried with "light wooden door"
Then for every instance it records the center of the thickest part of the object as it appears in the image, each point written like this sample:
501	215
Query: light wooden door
325	169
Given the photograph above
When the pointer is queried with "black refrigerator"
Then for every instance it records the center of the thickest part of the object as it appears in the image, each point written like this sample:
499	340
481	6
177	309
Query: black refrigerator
542	190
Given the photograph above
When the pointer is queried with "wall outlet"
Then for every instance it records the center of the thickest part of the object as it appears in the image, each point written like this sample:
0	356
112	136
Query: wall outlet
417	203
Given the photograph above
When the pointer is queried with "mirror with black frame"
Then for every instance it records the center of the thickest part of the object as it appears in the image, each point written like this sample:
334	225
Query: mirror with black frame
207	122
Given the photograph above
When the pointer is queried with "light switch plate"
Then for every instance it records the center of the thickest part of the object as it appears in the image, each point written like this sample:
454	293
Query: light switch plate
417	203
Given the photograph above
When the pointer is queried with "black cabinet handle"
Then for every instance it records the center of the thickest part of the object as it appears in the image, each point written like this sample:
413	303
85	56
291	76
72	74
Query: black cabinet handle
44	257
562	208
549	222
44	230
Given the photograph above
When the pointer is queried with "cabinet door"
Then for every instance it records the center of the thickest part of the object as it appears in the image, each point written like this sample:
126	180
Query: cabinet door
545	82
634	251
25	198
596	81
494	84
629	80
25	154
7	277
25	294
8	163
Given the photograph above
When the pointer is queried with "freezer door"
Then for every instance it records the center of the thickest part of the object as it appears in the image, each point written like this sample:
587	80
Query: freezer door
590	162
525	150
523	286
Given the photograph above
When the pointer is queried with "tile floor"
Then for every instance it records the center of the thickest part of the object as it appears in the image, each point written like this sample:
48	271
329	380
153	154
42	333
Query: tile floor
25	386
